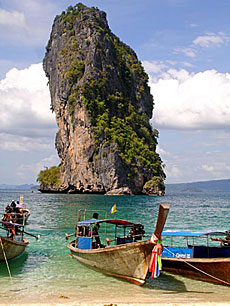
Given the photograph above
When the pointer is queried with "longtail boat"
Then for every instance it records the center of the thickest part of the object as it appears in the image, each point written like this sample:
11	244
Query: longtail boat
125	256
199	258
17	213
14	243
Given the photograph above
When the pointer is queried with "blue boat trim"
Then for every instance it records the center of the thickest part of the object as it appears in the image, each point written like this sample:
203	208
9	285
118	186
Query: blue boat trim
177	252
191	233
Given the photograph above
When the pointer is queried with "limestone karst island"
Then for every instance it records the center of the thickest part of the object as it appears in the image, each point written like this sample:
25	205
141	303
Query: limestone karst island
102	102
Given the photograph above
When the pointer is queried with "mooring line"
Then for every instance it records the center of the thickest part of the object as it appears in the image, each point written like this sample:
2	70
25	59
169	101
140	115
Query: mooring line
8	268
194	267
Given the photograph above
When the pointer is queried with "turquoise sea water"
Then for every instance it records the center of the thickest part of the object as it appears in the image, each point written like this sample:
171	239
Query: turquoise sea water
45	272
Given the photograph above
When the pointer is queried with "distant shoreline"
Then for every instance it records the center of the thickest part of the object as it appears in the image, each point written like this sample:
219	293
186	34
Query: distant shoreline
199	186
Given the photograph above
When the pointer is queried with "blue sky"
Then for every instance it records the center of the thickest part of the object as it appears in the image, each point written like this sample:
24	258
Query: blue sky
184	47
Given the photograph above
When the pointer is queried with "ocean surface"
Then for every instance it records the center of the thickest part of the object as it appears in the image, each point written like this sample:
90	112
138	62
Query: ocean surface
46	273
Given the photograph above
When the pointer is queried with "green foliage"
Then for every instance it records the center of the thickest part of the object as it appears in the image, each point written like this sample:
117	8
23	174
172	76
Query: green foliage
51	176
72	101
75	71
116	120
69	16
155	182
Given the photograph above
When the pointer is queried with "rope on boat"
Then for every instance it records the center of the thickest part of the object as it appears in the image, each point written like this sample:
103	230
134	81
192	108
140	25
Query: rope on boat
201	271
8	268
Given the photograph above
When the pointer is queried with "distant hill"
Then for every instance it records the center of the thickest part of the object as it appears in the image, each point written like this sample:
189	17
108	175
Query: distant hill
18	187
215	185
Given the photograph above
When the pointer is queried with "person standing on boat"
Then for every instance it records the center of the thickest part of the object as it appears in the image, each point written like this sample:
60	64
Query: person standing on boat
11	232
95	230
223	242
13	205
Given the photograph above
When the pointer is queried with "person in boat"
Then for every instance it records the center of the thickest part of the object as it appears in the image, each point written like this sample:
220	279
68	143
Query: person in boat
9	217
139	231
223	242
11	232
226	240
13	205
19	214
94	232
6	215
136	232
8	209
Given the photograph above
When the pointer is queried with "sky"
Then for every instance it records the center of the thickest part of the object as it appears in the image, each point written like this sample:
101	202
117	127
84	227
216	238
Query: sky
184	47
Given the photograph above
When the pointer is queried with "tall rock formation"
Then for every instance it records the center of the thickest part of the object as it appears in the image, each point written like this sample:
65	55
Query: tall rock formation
103	104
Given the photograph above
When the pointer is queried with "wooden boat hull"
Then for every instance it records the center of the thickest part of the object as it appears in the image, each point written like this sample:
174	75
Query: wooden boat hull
12	248
126	261
215	270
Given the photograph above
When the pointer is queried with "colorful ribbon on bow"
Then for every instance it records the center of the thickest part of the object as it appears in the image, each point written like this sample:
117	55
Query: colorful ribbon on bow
155	263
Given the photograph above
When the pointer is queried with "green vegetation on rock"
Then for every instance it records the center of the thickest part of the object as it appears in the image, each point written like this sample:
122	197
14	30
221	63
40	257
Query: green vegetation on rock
154	185
50	177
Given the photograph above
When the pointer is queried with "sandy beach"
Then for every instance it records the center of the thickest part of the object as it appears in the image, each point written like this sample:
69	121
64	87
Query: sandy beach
121	304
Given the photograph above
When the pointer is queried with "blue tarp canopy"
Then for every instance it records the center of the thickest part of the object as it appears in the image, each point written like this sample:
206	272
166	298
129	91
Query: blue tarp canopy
111	221
191	233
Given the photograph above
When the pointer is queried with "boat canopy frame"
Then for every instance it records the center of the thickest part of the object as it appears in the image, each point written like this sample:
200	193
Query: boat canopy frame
88	223
192	234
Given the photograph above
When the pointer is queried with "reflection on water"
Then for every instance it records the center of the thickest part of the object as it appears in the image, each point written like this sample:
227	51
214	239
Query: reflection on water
45	272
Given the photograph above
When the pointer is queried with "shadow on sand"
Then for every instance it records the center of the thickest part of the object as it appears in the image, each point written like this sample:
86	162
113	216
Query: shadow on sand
170	284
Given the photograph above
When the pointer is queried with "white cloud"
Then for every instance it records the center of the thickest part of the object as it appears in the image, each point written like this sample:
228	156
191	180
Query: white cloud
28	24
186	64
154	66
25	108
12	18
161	151
216	167
174	173
186	100
207	168
190	52
194	25
211	39
48	162
10	142
28	172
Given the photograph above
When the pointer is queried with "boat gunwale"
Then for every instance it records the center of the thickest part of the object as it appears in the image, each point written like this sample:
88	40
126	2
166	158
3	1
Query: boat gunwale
19	243
108	248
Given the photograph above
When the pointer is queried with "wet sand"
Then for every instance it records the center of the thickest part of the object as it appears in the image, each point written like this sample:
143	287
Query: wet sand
97	289
192	293
121	304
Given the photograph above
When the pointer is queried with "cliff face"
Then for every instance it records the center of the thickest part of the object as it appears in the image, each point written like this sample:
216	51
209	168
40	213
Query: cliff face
103	104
